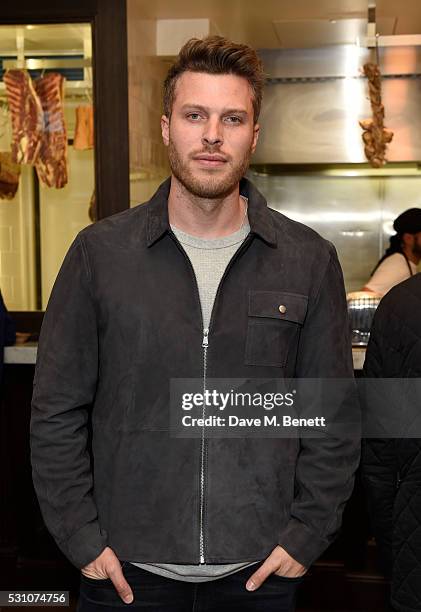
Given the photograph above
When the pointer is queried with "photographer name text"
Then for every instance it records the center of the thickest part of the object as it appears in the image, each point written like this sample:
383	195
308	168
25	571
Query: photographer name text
267	421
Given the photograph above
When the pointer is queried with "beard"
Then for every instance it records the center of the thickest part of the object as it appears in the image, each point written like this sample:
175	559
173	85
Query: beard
207	184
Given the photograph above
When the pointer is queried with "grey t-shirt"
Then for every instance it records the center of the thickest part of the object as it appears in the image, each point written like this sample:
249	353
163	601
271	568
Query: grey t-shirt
209	259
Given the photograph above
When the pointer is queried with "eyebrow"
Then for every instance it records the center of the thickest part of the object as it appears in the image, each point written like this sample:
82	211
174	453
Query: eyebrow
226	111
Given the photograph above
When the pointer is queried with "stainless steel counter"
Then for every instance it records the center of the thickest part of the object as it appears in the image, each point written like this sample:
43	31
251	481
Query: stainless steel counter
21	353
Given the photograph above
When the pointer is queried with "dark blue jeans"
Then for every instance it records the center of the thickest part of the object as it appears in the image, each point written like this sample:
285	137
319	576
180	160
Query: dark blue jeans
153	592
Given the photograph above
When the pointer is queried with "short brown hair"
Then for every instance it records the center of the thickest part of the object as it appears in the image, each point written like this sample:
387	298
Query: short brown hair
216	55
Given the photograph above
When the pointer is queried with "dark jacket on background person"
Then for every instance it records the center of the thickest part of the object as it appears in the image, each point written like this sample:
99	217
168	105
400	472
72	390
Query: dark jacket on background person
391	466
123	319
7	332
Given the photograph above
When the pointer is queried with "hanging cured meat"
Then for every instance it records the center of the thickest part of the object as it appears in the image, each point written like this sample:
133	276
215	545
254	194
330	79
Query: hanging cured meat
9	176
26	116
84	130
51	164
375	136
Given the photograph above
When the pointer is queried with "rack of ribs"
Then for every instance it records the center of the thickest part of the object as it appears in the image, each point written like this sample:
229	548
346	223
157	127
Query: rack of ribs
51	164
26	116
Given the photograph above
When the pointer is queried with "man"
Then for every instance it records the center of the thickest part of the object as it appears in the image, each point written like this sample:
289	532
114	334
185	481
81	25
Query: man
391	467
402	256
202	281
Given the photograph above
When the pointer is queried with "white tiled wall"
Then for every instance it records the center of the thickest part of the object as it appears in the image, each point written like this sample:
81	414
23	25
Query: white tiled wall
148	156
17	246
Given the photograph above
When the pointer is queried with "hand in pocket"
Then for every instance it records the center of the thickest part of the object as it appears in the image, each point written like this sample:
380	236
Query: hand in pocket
107	565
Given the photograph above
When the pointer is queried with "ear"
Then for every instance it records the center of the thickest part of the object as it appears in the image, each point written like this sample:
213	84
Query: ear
256	131
408	239
165	130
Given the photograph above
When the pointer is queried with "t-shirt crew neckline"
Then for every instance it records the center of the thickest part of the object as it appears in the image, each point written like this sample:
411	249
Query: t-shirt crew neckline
213	243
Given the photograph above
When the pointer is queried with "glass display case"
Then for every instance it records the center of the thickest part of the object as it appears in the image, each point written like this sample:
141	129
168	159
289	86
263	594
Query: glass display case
46	102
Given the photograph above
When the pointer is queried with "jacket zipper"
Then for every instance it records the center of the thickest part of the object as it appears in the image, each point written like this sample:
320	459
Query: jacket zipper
205	346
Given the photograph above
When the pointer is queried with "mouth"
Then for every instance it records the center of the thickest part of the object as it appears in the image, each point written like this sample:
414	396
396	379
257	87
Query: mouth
210	160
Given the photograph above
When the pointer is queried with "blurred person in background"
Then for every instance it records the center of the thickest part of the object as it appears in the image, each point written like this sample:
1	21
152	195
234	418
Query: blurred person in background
403	255
391	467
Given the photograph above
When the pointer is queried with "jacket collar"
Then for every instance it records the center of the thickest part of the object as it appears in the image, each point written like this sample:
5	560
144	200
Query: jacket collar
259	216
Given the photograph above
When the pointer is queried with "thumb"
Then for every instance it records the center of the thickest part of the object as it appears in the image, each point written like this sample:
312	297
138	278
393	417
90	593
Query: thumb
259	576
121	585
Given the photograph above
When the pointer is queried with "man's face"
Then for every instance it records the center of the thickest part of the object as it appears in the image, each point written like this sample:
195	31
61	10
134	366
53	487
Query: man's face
416	246
211	134
413	242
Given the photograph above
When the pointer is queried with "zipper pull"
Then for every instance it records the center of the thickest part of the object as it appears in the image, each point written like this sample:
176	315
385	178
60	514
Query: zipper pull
205	337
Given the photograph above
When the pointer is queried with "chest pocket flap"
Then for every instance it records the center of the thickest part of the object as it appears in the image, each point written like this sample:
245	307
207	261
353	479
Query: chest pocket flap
278	305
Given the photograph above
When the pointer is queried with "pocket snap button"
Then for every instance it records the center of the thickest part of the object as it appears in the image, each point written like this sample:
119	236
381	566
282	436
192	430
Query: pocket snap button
282	309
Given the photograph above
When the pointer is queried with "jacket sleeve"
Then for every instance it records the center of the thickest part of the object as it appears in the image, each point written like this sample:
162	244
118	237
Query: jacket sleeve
326	465
379	464
64	388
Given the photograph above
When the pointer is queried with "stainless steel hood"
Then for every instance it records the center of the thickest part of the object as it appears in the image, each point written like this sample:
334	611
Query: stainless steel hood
314	99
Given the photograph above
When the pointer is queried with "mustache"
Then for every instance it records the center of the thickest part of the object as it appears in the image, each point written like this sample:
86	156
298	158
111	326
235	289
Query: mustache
210	151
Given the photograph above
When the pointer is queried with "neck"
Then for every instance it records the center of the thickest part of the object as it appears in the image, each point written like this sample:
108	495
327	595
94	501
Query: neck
411	255
205	217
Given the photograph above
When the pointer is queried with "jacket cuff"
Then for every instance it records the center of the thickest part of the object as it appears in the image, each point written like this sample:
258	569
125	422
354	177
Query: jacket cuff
303	544
85	545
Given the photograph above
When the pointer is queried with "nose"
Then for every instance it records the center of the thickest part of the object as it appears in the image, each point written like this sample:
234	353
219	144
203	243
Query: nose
212	133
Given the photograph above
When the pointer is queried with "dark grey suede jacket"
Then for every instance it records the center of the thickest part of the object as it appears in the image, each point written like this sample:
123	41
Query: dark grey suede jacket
124	318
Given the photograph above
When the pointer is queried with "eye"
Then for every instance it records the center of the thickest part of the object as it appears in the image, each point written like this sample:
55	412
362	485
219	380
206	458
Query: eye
193	116
233	119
